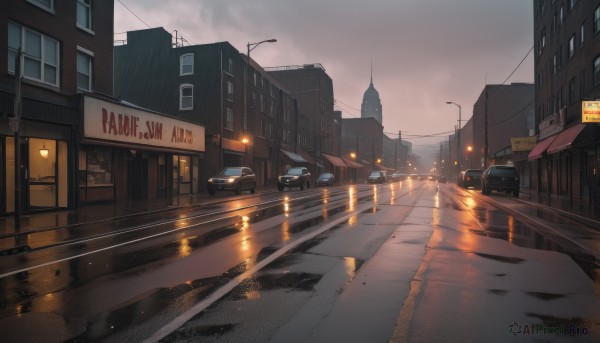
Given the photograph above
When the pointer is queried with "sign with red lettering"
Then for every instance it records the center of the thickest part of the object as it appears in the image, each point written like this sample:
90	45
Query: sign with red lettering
114	122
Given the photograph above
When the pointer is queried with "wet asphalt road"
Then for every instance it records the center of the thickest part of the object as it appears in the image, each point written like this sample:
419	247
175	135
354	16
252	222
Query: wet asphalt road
313	265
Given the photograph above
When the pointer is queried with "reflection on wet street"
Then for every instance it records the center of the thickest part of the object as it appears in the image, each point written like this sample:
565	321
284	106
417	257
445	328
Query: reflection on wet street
502	225
137	281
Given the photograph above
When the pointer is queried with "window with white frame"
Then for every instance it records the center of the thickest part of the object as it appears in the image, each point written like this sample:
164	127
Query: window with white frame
230	66
597	20
45	4
561	15
40	54
572	46
597	71
286	115
186	64
186	97
229	90
229	119
262	103
542	41
84	70
84	14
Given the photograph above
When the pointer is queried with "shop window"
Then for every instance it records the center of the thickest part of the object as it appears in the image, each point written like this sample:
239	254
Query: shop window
97	164
47	173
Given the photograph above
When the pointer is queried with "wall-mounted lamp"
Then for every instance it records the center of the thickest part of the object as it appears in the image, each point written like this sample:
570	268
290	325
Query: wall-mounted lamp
44	151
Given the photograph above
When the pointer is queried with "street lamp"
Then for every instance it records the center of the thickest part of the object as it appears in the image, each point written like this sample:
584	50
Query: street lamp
458	132
470	156
250	47
245	140
353	156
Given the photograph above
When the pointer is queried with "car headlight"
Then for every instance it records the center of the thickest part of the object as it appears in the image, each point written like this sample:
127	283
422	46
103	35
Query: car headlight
279	178
211	180
231	180
295	177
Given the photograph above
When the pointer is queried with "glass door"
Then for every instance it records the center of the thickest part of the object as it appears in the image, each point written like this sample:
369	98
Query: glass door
42	170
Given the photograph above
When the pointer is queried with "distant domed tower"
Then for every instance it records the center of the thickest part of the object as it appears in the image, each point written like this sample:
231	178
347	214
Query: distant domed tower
371	105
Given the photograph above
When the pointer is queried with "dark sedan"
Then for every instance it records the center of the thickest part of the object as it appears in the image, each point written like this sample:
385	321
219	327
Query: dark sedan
294	177
376	176
501	179
471	178
325	179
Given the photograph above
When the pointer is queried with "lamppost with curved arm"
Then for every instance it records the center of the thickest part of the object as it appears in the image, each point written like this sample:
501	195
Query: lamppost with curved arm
457	133
250	47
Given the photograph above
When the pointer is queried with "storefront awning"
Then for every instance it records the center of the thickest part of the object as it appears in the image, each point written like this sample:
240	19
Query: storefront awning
565	138
336	161
352	164
307	157
294	157
541	147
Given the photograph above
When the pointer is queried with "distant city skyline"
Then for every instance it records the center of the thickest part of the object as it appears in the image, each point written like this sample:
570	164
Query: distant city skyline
423	53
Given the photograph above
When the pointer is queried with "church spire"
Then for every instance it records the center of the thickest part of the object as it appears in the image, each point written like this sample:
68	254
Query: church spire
371	106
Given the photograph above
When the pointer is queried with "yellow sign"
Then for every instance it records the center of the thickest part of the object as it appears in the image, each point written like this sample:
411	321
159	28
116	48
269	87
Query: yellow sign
590	111
523	144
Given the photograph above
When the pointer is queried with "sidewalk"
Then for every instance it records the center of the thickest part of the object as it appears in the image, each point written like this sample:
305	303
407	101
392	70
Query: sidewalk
577	210
94	213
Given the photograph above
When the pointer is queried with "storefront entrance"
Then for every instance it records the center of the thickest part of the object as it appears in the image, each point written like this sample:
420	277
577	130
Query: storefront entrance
43	174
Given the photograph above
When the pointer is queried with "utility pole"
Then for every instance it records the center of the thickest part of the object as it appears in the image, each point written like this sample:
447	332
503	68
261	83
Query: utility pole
485	146
16	127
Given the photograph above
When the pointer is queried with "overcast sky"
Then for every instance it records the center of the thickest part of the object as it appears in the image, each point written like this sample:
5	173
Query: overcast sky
424	52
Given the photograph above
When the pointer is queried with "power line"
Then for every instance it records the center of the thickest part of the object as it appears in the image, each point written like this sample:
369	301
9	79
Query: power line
130	11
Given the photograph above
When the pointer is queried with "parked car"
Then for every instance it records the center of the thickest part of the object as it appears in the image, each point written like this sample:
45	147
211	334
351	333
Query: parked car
294	177
235	179
501	179
471	178
441	179
325	179
376	176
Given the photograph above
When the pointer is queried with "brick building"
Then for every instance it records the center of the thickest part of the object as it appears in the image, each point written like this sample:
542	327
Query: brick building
67	51
567	72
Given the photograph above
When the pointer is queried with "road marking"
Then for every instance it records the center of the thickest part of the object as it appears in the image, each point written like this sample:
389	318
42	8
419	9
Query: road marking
219	293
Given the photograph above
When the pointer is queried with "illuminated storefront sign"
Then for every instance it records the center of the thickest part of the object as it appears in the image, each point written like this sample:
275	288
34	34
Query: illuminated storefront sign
109	121
590	111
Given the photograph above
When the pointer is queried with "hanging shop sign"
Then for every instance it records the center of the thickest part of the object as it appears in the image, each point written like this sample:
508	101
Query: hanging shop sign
523	143
590	111
114	122
552	124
